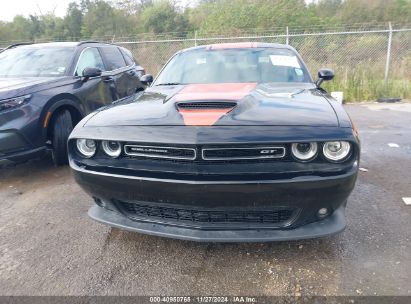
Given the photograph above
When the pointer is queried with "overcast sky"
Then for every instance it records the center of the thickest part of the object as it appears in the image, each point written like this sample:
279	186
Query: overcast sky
10	8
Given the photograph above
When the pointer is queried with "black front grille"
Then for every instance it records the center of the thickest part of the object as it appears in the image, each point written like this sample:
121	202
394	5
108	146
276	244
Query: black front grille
207	154
278	217
243	153
164	152
206	105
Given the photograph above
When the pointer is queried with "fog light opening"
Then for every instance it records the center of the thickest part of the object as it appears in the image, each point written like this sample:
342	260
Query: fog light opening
323	212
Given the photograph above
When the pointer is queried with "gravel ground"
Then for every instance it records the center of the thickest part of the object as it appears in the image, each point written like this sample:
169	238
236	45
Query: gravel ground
48	245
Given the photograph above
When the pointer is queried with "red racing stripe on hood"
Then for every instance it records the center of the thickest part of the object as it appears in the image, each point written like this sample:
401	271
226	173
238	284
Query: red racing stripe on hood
215	91
202	117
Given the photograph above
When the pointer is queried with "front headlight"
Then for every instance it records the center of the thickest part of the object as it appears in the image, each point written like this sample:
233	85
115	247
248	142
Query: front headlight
111	148
13	102
304	151
86	147
336	150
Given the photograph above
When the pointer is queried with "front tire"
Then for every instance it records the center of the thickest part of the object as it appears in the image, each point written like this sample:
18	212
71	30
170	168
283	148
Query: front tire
62	127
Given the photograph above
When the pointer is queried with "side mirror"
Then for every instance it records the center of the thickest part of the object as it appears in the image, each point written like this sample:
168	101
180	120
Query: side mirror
91	72
146	79
324	75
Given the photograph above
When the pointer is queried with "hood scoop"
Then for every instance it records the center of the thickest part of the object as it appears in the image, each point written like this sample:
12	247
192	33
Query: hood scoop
204	113
206	105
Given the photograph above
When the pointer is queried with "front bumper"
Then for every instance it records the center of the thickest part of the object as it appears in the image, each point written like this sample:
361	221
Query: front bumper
21	156
15	148
333	224
21	136
304	195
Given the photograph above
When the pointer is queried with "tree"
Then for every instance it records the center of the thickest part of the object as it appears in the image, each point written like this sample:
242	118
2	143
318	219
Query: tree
98	20
5	32
73	20
22	28
163	17
240	15
133	6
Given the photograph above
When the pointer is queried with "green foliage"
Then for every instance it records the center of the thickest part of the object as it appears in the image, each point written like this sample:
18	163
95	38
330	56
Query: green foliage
366	11
162	17
23	26
362	85
73	20
99	20
232	15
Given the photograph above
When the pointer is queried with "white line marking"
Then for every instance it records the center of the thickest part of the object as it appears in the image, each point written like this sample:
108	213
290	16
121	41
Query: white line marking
407	200
392	145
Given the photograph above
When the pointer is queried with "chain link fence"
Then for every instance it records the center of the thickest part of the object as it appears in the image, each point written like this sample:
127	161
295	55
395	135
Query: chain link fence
368	63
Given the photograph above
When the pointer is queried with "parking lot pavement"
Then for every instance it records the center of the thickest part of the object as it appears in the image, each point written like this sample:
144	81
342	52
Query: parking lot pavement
48	245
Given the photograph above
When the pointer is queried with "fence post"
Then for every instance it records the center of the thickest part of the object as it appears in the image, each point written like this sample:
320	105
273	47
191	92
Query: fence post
195	38
387	63
287	37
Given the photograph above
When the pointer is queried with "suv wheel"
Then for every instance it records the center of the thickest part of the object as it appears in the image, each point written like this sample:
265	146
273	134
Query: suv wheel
62	127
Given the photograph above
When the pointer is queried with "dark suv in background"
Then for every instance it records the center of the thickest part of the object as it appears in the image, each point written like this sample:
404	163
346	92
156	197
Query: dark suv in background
46	89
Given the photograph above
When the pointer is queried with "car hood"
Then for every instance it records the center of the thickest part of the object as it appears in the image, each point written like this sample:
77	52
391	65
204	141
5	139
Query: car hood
235	104
12	87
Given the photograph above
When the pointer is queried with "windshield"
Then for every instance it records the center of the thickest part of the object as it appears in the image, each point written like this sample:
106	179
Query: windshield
261	65
35	62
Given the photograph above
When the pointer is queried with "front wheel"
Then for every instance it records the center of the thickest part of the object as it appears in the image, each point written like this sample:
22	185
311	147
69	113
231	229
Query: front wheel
62	127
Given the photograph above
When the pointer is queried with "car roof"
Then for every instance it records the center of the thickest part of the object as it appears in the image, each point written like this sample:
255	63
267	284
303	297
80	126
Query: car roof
55	44
240	45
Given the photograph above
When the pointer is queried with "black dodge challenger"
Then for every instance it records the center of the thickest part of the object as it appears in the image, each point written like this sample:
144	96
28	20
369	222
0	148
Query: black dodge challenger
231	142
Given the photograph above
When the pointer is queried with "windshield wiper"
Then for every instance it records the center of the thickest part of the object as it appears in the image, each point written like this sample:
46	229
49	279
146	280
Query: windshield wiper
168	83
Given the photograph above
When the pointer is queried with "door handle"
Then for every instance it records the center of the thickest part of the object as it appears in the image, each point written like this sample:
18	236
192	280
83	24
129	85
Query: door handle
108	79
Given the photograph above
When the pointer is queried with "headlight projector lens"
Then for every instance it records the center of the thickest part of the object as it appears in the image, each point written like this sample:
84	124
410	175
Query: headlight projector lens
87	147
304	151
336	150
111	148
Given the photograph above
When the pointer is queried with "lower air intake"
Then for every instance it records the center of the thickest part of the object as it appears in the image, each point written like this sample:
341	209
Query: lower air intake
204	218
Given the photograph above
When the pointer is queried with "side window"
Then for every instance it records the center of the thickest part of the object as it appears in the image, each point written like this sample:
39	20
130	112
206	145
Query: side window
89	58
113	57
128	57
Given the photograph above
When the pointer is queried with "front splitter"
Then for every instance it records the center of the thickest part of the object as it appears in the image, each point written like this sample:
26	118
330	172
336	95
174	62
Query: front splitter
333	224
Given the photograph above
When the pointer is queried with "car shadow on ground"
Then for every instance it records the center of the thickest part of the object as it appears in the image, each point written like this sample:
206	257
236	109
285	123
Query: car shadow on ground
26	176
41	163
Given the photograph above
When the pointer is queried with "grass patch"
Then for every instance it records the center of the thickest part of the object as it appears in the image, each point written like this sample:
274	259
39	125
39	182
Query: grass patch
362	85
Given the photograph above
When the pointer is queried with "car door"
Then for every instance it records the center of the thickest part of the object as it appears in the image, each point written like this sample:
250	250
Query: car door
118	70
96	91
136	70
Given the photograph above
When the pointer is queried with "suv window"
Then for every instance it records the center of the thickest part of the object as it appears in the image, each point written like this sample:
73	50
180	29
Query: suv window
128	56
113	57
89	58
33	61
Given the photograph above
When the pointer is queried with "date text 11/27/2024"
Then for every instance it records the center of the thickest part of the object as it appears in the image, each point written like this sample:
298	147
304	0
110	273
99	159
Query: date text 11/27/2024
203	299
